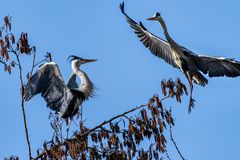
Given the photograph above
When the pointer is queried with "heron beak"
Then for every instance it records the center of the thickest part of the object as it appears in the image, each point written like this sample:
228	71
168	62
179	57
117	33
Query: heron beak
88	60
152	19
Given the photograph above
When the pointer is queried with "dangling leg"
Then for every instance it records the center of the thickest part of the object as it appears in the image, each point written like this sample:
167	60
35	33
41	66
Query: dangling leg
68	125
191	100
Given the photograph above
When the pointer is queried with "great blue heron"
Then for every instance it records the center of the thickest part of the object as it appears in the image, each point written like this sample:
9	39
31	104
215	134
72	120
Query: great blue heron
180	57
62	98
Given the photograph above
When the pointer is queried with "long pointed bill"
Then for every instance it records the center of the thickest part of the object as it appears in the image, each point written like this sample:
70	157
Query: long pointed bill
152	19
89	60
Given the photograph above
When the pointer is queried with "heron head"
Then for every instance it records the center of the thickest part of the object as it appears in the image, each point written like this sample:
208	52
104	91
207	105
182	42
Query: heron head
78	60
155	17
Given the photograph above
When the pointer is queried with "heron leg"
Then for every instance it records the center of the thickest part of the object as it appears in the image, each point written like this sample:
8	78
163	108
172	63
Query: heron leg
68	126
191	100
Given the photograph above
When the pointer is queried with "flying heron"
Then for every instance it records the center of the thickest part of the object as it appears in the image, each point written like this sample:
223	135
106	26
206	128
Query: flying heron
62	98
189	63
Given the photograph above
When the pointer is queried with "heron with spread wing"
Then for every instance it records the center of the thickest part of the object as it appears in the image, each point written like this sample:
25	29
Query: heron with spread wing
189	63
62	98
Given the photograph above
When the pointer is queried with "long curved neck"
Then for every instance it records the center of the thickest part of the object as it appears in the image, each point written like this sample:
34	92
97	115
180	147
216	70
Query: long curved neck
171	42
165	30
86	86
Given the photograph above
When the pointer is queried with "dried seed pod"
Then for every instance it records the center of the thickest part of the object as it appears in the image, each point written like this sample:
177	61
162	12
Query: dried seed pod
170	86
144	116
154	123
2	53
167	116
94	137
158	102
130	127
5	67
9	69
6	55
13	64
12	38
138	121
163	86
179	87
1	44
7	41
152	112
109	143
178	97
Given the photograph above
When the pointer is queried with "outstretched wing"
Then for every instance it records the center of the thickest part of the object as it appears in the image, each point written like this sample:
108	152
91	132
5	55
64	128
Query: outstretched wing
48	81
156	45
214	66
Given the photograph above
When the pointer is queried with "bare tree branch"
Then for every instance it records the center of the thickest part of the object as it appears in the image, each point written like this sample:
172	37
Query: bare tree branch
22	104
174	143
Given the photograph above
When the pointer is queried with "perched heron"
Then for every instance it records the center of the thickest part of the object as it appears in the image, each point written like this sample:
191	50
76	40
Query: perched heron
62	98
180	57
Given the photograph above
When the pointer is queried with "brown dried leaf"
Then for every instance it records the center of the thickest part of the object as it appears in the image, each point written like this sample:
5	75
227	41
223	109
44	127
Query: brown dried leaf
2	53
2	44
6	55
168	118
7	41
144	116
138	121
163	86
9	69
154	124
178	97
12	38
158	102
130	127
13	64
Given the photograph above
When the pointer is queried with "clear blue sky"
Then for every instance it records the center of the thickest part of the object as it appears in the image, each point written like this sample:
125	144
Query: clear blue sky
126	74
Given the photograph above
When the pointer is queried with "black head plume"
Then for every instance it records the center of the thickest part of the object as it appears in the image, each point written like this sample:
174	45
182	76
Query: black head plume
157	14
73	57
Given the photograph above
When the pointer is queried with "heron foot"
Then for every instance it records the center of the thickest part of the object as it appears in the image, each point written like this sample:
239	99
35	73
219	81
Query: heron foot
191	104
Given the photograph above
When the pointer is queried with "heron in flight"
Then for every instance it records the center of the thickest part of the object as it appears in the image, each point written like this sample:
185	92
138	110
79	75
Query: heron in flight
62	98
189	63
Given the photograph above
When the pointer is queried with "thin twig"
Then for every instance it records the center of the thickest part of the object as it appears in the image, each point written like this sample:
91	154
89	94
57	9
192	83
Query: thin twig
111	119
33	63
22	103
174	143
167	155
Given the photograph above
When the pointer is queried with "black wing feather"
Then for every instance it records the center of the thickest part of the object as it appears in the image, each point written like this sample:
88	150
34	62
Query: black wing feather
156	45
214	66
217	67
48	81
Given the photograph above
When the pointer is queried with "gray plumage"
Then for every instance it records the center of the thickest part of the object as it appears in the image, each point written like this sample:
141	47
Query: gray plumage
62	98
189	63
